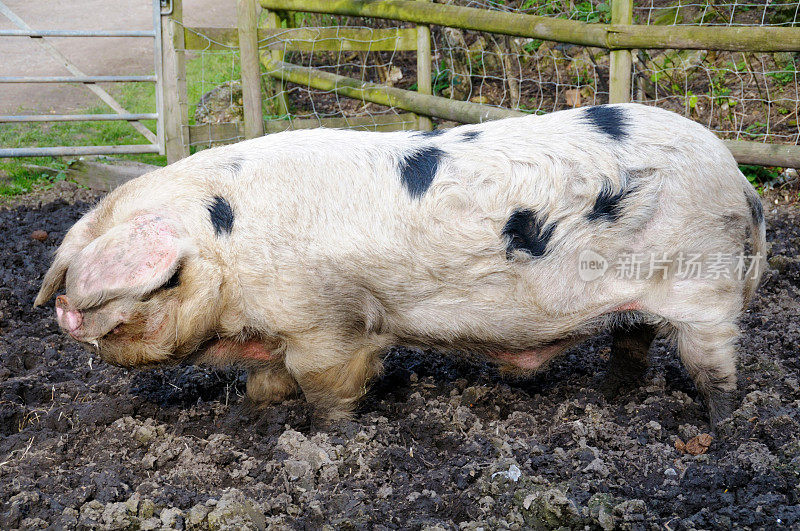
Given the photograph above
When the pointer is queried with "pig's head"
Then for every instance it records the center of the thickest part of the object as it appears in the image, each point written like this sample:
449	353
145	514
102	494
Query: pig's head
138	290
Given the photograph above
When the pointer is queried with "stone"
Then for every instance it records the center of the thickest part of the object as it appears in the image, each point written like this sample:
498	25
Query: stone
91	514
144	434
222	104
132	503
601	508
296	469
779	262
631	510
117	516
69	518
197	515
472	395
147	508
172	518
551	509
150	524
19	505
697	445
597	465
235	511
34	523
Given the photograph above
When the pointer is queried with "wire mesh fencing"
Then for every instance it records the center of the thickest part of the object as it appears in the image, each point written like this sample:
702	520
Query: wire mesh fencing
349	48
340	45
739	95
215	93
521	73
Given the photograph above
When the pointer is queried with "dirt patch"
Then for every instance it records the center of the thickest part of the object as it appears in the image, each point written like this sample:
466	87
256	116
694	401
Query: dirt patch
435	442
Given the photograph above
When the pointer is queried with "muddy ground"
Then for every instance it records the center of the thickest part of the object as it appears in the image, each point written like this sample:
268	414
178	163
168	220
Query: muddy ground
435	444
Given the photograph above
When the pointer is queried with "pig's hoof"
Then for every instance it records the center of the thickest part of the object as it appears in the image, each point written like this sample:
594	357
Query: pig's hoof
326	413
720	406
267	387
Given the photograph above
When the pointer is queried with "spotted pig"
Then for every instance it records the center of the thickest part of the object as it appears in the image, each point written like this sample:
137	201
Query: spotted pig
303	256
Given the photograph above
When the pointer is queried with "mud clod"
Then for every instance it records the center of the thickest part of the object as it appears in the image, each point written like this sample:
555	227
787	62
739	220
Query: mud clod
435	444
39	235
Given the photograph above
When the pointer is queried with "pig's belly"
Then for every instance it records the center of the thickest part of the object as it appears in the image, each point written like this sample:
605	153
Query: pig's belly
520	341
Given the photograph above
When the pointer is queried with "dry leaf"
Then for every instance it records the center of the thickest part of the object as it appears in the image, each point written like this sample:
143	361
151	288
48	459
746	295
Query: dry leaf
572	97
694	446
680	446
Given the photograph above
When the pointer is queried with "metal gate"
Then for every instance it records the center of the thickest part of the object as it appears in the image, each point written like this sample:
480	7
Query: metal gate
156	141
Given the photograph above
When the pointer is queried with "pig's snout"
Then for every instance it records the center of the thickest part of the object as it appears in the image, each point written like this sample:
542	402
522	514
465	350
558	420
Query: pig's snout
69	318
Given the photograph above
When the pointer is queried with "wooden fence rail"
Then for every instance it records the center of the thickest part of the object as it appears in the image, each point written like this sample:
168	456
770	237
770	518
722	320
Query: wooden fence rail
306	39
612	37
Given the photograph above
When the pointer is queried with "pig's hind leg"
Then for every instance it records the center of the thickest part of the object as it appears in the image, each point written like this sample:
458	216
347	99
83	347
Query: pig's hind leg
628	363
708	351
703	319
270	384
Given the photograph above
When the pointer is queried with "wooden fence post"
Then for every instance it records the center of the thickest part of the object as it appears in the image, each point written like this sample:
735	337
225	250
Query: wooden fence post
424	123
276	89
251	68
619	82
173	85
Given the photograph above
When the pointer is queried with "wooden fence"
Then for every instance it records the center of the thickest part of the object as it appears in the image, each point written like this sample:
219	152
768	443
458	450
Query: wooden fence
265	47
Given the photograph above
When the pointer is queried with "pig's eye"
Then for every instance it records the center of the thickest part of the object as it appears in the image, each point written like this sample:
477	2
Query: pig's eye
173	281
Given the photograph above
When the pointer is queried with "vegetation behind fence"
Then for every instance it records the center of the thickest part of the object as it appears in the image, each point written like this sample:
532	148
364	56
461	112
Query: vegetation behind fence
743	84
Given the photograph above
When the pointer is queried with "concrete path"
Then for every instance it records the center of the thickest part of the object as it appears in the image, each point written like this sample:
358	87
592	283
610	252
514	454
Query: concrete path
21	56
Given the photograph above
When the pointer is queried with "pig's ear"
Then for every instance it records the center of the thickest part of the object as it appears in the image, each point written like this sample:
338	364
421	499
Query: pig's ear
76	239
131	259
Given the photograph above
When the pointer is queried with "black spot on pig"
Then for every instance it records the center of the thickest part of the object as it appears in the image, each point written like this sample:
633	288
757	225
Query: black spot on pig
221	215
430	134
527	232
756	208
174	281
233	166
608	205
609	120
418	169
471	135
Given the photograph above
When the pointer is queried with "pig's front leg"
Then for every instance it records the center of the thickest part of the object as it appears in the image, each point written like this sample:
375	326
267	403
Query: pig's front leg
333	379
270	384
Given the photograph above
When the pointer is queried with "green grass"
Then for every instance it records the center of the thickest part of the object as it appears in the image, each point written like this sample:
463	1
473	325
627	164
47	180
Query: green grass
134	97
208	70
16	177
785	76
759	175
584	11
